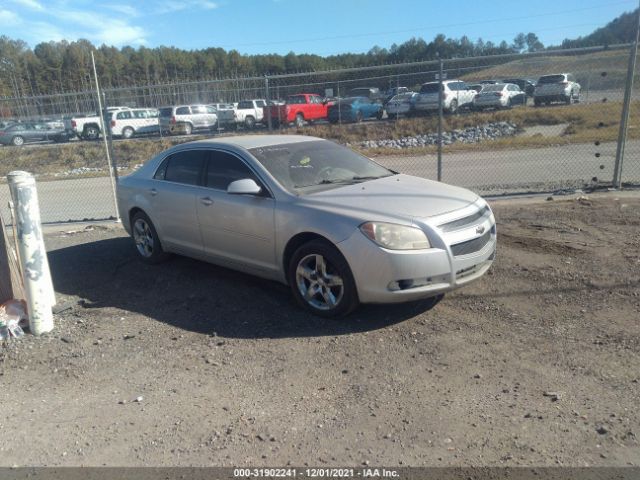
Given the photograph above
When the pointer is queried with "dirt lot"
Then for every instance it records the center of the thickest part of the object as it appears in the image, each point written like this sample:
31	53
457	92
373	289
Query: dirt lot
536	364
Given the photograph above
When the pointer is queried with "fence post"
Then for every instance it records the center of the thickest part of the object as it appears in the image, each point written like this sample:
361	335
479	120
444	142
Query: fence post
104	138
35	267
268	107
440	113
624	120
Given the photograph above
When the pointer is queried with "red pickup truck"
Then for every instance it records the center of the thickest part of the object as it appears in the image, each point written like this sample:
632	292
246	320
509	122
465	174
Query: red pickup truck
297	109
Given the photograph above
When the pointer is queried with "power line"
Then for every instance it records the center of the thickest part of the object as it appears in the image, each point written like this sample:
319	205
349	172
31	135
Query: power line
432	27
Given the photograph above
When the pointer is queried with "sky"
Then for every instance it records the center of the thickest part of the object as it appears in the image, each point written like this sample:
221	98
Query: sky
323	27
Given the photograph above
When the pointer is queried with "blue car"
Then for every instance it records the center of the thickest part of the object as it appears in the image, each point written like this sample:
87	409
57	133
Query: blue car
354	109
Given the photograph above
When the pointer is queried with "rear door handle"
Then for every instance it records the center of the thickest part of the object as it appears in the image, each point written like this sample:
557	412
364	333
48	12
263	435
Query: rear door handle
153	192
206	201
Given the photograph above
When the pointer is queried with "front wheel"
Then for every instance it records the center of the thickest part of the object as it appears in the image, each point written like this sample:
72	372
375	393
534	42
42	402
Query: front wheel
380	114
321	280
18	141
359	116
146	239
127	132
299	122
569	99
453	106
91	133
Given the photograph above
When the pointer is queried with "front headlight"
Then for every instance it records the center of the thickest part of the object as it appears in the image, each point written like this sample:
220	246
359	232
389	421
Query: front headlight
395	237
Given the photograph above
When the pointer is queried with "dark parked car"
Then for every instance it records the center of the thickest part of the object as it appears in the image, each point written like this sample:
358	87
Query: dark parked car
20	133
525	84
355	109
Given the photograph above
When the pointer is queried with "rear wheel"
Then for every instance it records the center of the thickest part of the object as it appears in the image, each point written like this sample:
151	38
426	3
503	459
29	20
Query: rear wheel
127	132
91	132
188	129
380	114
321	280
358	116
299	121
146	239
537	102
453	106
569	99
18	141
249	122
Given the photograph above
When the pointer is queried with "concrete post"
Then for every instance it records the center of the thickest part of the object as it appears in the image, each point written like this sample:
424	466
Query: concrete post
35	266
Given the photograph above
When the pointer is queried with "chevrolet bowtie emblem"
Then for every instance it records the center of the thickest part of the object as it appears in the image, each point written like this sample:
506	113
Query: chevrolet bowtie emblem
480	230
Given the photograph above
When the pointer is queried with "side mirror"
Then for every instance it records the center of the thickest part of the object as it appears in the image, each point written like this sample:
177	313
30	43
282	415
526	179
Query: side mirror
245	186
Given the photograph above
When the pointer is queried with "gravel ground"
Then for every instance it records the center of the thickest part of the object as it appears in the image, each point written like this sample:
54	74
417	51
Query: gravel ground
191	364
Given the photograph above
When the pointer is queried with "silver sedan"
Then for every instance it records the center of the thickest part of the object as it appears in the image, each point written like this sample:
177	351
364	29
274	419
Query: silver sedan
334	225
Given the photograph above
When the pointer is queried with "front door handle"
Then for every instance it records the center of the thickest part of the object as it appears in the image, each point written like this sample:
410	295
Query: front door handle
206	201
153	192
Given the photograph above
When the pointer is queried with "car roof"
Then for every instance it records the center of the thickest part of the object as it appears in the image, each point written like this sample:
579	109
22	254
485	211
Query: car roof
253	141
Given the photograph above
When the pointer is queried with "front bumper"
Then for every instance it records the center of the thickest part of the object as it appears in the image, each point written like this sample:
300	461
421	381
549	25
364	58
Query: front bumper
394	276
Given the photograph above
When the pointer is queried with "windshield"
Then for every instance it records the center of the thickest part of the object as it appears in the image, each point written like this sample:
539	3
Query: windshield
308	167
429	88
166	112
552	79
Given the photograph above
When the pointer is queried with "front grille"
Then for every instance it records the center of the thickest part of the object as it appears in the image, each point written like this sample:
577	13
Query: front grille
463	222
471	246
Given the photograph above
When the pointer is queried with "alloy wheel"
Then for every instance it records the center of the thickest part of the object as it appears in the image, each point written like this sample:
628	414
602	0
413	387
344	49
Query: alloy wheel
318	283
143	238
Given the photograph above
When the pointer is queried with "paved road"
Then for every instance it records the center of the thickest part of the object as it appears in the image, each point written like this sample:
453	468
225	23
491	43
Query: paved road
489	173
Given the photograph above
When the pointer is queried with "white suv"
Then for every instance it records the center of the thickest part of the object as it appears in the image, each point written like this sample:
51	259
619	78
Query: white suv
561	87
455	94
187	118
135	121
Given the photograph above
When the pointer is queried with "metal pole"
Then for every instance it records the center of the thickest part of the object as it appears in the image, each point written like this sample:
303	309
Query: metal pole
268	107
624	120
104	138
440	113
114	159
35	267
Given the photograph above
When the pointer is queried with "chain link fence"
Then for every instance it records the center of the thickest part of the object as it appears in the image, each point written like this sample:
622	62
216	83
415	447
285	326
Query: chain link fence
515	148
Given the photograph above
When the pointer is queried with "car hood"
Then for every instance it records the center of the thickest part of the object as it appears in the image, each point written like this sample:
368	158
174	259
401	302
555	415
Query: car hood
397	196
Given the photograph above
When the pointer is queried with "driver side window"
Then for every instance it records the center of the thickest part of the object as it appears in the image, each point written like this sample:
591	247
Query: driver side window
224	168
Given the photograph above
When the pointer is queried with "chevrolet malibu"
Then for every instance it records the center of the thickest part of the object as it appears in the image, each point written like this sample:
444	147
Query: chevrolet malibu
335	226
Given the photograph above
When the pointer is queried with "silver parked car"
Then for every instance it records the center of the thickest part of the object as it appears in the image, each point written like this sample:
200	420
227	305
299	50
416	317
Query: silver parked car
334	225
187	118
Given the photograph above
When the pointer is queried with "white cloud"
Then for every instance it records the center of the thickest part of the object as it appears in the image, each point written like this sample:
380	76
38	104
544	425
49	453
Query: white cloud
8	18
177	5
127	10
32	4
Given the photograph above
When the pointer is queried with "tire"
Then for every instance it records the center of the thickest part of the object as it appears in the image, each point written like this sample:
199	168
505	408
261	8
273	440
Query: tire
127	132
146	239
188	129
321	280
569	99
536	102
359	117
299	121
508	105
91	132
17	141
249	122
453	106
380	114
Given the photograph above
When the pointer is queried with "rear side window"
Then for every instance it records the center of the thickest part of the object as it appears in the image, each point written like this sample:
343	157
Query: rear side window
123	115
261	103
224	168
244	105
183	111
185	167
198	109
